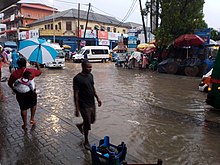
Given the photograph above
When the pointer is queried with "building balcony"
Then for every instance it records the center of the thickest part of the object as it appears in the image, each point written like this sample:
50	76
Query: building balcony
10	19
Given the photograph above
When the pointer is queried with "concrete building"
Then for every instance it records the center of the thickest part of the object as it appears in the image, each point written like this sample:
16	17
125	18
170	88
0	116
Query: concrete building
63	28
19	15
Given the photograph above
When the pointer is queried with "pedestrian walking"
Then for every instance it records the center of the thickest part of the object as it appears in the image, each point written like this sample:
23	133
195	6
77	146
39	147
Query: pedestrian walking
84	98
3	60
28	99
14	57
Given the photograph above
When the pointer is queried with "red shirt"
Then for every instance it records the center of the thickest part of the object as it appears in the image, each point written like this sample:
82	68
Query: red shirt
18	74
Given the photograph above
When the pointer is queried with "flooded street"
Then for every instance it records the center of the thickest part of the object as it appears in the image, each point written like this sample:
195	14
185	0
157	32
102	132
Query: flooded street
158	116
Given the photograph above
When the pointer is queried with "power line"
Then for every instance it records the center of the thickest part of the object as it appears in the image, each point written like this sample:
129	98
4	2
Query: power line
121	21
129	11
106	12
71	2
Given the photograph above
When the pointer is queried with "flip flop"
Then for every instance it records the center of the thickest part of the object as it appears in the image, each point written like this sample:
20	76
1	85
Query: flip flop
33	122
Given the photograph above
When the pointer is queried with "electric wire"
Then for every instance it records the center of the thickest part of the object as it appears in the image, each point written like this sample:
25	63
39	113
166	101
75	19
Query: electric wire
129	12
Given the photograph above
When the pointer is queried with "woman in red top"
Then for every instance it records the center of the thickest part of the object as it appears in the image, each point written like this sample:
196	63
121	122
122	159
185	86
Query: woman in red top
25	100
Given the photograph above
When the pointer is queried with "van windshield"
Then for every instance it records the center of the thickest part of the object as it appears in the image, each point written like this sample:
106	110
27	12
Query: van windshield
81	51
61	54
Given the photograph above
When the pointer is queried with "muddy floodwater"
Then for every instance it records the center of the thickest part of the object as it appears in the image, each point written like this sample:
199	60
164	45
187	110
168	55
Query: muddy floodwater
158	116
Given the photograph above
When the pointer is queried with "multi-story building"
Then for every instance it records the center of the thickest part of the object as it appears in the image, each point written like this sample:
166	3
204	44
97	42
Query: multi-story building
2	28
19	15
63	28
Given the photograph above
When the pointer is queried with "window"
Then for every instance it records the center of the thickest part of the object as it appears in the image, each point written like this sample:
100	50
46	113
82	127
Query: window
81	26
56	27
96	27
99	51
68	26
108	29
45	26
59	25
51	25
102	28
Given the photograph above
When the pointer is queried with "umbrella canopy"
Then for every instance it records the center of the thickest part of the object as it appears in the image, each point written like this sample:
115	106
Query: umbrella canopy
66	47
37	50
120	47
188	40
145	46
149	50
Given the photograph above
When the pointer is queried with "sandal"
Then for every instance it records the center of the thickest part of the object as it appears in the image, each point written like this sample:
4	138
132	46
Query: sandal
87	146
33	122
24	127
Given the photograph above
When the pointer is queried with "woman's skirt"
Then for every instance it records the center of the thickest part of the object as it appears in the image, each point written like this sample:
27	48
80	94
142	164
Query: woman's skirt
26	100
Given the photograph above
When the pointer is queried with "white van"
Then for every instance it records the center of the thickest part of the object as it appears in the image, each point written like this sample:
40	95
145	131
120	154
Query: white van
59	62
93	53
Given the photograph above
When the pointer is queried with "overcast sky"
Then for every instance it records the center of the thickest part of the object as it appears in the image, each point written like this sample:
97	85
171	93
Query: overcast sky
119	8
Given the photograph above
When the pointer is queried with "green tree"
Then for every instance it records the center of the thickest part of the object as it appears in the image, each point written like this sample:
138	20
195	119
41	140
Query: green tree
215	35
179	17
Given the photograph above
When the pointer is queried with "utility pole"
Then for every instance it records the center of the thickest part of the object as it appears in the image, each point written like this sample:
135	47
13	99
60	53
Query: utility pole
87	20
53	24
142	16
78	28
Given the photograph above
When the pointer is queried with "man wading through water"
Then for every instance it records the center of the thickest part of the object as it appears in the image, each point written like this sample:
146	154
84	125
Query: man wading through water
84	98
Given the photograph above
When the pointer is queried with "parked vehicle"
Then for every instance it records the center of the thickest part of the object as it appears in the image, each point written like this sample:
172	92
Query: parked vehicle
10	44
213	97
205	82
92	53
59	62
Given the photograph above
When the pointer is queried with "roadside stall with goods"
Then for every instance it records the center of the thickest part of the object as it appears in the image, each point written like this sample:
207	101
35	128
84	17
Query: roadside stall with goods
147	58
186	56
67	51
135	60
122	54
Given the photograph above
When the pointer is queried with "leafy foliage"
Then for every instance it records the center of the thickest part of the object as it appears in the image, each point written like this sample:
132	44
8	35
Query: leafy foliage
179	17
215	35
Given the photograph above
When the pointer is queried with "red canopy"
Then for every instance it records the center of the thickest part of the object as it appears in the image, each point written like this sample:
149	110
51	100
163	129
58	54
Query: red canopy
188	40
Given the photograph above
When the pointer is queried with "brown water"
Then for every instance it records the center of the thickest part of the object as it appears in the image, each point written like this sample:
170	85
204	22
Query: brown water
156	115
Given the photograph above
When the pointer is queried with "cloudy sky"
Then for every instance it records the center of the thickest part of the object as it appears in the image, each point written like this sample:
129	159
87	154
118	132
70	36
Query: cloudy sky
128	10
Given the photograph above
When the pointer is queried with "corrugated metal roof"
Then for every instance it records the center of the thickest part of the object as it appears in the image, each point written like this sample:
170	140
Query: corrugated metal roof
73	13
6	3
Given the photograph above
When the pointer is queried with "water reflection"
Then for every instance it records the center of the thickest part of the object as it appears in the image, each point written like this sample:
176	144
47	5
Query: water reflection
156	115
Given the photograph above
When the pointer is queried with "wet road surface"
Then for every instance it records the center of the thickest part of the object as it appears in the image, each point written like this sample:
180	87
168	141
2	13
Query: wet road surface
156	115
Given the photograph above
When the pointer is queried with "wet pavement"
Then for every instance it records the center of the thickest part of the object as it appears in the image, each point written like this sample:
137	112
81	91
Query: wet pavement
156	115
54	140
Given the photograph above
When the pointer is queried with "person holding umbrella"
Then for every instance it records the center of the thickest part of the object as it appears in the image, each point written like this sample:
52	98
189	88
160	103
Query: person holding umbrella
25	100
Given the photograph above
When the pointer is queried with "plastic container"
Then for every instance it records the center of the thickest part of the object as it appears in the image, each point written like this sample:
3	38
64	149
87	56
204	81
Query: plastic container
107	153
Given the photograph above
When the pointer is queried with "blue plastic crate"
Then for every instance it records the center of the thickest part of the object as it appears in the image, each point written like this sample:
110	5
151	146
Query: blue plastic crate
107	153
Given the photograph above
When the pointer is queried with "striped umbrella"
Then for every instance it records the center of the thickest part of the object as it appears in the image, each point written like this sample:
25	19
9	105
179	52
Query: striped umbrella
37	50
